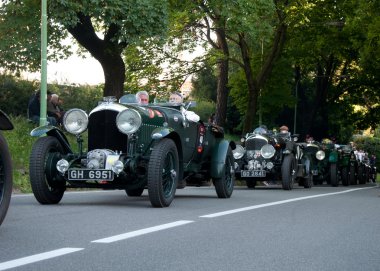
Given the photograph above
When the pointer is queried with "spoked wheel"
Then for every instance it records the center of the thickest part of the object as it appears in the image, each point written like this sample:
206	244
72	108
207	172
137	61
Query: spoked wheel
361	175
308	181
163	173
352	176
345	176
134	192
224	186
288	172
334	175
45	153
5	178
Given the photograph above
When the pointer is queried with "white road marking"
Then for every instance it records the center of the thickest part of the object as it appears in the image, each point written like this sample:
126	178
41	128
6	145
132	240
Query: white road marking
278	203
142	231
38	257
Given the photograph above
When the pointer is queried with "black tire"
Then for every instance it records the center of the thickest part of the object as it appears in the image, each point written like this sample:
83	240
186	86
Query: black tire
163	171
251	182
134	192
45	190
308	181
352	176
288	172
361	175
345	176
224	186
5	178
334	175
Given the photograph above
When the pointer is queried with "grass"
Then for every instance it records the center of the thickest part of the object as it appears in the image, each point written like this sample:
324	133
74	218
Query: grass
20	144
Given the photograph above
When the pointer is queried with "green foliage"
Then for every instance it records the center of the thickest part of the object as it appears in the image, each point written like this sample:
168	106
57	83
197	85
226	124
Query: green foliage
15	95
371	145
20	144
204	109
204	84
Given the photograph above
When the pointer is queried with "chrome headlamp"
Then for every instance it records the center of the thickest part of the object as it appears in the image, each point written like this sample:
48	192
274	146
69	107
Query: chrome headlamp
267	151
238	152
128	121
75	121
320	155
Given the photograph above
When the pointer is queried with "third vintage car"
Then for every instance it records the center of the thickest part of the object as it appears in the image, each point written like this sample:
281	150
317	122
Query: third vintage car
132	147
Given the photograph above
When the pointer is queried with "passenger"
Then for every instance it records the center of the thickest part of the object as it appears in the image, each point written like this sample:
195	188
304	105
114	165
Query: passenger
142	97
54	109
176	98
34	109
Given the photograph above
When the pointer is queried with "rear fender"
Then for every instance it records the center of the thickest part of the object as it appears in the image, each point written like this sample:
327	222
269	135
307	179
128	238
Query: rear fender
218	157
5	123
55	132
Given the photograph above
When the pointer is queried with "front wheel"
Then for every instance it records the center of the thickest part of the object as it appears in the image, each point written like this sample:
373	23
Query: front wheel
334	175
288	172
45	153
5	178
345	176
352	176
224	186
163	171
361	175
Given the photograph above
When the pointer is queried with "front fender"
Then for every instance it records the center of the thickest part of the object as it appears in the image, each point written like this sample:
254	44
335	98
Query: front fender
218	158
333	157
161	132
5	123
55	132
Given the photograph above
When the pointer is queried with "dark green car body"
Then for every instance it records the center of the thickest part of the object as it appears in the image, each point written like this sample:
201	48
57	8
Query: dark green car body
167	151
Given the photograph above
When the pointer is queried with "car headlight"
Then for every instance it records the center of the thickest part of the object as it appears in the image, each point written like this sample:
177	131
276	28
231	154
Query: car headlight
267	151
75	121
128	121
238	152
320	155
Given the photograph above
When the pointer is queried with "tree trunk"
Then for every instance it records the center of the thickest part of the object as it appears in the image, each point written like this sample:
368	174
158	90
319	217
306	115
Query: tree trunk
253	91
107	52
222	90
324	76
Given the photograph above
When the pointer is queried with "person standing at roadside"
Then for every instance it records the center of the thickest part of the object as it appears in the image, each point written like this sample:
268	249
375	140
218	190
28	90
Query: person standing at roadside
34	109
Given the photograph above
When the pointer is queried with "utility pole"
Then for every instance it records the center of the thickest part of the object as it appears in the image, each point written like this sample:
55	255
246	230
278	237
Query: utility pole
43	89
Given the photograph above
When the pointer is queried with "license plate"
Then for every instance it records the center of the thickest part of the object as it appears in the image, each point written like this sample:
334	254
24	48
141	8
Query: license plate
253	173
90	174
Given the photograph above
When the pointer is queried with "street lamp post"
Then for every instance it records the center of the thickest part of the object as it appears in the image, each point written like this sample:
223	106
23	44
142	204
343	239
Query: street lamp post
43	63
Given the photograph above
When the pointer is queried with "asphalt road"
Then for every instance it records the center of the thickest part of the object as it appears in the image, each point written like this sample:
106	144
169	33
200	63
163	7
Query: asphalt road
322	228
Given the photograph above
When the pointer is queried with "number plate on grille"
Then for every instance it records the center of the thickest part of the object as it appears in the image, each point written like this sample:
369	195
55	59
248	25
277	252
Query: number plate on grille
253	173
90	174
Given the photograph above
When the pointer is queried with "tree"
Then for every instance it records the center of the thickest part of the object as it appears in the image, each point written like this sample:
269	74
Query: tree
120	22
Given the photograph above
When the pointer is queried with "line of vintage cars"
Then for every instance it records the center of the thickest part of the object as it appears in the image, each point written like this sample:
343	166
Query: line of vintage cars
161	147
265	155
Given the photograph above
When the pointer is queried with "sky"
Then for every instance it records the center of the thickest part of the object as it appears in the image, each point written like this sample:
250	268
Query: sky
74	70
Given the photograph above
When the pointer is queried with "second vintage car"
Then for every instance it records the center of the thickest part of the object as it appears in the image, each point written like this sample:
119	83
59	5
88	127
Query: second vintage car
130	147
268	156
